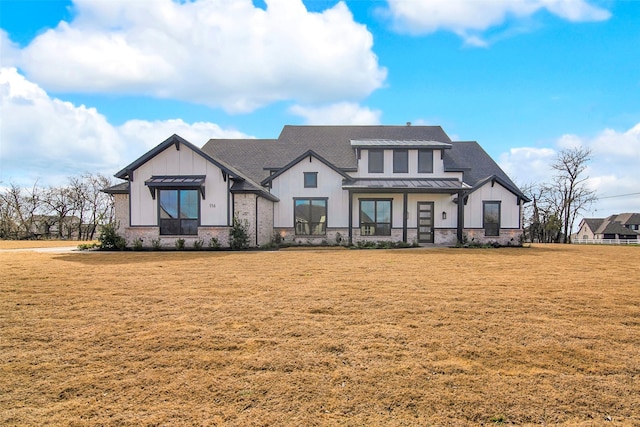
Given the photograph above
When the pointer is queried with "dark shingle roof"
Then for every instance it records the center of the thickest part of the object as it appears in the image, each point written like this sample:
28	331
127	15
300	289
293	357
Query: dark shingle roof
593	223
629	218
614	227
256	158
122	188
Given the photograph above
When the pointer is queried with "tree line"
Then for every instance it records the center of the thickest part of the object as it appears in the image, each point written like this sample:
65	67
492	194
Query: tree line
75	210
555	205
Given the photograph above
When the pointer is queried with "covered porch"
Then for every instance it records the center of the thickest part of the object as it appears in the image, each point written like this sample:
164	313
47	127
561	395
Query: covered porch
422	211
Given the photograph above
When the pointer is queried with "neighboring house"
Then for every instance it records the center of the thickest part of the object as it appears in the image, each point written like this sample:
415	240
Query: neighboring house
624	226
321	183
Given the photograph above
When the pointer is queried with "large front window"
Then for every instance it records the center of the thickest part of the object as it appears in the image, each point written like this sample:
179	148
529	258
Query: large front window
310	216
491	218
179	212
375	217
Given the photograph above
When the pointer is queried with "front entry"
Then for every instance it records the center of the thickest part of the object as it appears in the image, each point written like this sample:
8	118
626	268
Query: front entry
425	222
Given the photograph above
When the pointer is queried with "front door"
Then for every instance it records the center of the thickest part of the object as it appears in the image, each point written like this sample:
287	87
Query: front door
425	222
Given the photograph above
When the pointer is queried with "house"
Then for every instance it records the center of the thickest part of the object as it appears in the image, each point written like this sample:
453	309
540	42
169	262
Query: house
317	184
624	226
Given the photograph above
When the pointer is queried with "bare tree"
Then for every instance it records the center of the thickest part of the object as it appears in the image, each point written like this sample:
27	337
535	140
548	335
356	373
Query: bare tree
572	194
59	202
18	210
99	204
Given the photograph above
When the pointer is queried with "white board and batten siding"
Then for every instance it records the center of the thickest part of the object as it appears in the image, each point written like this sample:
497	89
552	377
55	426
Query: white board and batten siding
509	208
213	209
290	185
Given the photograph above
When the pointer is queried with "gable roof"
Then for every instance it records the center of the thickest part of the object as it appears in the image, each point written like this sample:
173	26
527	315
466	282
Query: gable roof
593	223
506	183
126	172
241	183
297	160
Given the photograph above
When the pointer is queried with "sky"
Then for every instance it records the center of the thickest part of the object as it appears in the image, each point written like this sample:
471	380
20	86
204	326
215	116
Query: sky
91	85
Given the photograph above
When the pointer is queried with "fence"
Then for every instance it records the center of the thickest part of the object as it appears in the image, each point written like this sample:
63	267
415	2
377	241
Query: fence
605	242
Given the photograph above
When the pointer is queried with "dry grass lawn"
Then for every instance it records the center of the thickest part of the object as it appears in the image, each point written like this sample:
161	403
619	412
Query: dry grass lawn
546	335
31	244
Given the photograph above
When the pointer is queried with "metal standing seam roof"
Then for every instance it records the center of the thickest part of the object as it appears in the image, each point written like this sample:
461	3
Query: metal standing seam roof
416	143
177	180
434	184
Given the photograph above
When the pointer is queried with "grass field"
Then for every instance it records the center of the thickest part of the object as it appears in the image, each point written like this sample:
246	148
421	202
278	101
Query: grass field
546	335
32	244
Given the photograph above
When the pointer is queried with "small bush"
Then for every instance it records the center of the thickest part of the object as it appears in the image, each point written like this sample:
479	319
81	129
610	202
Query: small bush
197	244
214	243
180	244
87	246
155	244
110	239
137	244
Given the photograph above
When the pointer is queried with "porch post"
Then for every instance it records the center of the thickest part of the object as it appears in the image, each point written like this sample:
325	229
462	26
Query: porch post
460	215
405	216
350	217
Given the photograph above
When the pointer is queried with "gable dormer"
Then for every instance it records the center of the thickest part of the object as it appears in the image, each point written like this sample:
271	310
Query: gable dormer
399	158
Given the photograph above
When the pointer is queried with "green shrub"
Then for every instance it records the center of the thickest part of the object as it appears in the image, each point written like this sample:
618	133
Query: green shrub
137	244
239	234
155	244
180	244
87	246
214	243
197	244
110	239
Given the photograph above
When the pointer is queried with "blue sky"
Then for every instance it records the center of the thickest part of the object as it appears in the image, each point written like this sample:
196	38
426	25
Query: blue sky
90	85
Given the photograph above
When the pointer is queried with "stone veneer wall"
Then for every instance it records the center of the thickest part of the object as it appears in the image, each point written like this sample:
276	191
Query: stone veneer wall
121	206
507	237
265	221
148	234
288	235
245	210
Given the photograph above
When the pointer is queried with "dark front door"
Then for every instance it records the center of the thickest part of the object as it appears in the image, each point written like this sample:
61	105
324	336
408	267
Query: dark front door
425	222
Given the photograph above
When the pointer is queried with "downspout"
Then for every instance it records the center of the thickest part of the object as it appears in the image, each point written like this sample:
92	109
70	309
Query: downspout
405	216
460	216
257	197
229	201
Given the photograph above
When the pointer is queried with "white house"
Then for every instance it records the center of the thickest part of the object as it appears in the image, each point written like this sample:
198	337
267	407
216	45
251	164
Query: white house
321	183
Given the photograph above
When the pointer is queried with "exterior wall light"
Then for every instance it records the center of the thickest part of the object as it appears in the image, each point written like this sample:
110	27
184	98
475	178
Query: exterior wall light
444	215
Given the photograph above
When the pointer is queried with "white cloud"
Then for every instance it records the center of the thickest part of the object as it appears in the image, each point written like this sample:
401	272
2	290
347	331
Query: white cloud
218	53
49	139
344	113
612	170
469	19
527	165
9	51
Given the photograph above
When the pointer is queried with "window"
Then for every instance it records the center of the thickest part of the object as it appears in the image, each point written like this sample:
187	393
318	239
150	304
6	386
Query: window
491	218
375	217
179	212
376	161
310	216
400	161
425	161
310	179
